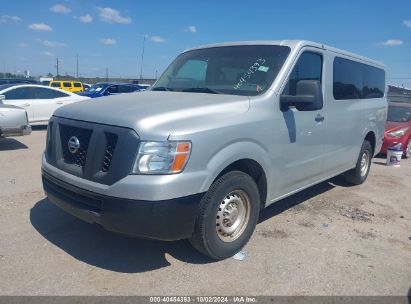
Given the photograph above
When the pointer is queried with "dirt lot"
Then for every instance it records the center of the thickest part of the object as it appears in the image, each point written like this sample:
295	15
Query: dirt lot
328	240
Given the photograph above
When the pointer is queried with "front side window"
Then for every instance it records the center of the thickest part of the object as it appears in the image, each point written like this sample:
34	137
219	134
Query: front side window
77	84
56	84
112	89
126	88
247	70
308	67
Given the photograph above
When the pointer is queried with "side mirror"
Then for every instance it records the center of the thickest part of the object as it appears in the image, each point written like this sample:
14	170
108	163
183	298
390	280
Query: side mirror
308	97
2	97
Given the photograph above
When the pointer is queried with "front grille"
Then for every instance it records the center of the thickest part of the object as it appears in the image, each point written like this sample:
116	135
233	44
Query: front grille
103	153
79	157
111	142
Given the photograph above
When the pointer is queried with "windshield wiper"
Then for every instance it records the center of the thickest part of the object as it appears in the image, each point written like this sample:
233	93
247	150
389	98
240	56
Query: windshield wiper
161	89
202	90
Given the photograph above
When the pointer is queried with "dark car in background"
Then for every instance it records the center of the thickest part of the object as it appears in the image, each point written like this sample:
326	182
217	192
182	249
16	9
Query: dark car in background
105	89
17	80
398	127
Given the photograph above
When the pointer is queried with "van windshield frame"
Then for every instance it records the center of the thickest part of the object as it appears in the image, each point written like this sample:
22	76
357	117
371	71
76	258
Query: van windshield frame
246	70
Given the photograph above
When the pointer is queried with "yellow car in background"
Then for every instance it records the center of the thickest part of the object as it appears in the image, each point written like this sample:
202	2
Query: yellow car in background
67	85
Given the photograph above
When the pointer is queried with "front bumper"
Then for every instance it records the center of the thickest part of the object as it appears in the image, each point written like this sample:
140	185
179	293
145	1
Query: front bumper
391	141
163	220
19	131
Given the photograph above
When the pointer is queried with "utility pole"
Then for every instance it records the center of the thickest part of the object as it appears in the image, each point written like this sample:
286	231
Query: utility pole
77	65
106	74
142	57
57	68
156	74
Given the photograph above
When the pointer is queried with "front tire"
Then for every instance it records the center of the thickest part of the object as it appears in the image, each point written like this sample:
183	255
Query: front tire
407	152
227	217
359	174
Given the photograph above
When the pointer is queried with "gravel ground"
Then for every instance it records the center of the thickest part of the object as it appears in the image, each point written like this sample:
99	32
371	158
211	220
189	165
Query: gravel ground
327	240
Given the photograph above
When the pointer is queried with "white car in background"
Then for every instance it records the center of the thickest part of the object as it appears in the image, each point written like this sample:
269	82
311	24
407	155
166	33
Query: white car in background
39	101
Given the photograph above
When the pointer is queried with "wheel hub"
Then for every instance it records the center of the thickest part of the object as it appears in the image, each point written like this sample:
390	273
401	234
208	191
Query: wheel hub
232	216
364	163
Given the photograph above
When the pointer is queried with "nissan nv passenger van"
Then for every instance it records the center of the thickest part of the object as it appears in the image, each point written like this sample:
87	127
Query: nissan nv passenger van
227	130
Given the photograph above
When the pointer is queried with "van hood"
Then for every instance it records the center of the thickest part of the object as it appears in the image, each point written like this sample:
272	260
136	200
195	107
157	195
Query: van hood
155	115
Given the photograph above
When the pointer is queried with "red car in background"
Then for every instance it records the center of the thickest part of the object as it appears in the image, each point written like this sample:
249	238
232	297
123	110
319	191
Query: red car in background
398	128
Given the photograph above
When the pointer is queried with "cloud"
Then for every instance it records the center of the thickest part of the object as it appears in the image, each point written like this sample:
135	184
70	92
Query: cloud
9	19
47	53
23	44
157	39
392	42
60	9
108	41
407	23
111	15
40	27
86	18
191	29
53	44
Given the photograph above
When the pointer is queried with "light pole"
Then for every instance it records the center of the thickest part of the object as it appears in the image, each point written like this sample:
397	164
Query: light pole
77	66
142	57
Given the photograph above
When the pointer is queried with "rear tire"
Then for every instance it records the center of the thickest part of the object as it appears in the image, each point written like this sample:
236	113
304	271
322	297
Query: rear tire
227	217
359	174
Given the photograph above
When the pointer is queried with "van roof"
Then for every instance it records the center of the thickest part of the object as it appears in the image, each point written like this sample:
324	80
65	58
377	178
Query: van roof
292	44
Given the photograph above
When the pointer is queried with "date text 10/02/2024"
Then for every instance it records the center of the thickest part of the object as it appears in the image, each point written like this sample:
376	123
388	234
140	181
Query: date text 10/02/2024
203	299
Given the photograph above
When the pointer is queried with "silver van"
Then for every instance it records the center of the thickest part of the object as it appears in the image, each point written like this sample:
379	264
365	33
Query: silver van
227	130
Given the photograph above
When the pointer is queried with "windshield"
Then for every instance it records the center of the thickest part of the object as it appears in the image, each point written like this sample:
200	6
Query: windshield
97	87
247	70
399	114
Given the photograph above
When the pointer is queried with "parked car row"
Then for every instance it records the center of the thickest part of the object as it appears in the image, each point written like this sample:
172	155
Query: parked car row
78	86
13	120
39	101
22	103
106	88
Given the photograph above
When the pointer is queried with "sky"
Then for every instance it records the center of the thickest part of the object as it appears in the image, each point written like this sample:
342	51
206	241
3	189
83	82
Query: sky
108	35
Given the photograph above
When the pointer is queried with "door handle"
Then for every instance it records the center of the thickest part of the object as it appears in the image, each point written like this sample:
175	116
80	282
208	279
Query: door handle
59	102
319	118
26	105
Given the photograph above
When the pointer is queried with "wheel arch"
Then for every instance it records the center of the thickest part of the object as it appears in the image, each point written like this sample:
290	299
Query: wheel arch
371	138
246	157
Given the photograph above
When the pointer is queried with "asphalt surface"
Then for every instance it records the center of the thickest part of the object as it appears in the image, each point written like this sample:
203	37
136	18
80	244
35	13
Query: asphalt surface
330	239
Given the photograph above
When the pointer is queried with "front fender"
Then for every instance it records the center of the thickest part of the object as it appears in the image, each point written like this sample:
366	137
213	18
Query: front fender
234	152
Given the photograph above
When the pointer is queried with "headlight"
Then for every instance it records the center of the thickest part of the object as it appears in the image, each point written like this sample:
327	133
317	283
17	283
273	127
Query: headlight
161	157
397	133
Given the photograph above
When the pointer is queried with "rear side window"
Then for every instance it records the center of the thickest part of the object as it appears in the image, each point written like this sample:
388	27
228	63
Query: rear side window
354	80
19	93
77	84
56	84
67	84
